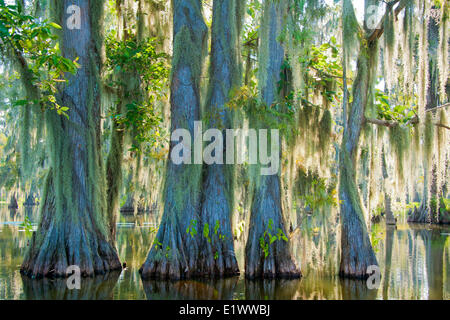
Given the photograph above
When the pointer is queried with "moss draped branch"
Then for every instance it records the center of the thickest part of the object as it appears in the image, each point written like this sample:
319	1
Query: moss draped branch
413	121
378	32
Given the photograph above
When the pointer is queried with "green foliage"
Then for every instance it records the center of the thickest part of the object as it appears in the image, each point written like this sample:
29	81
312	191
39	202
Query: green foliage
168	250
279	115
324	70
157	243
268	238
376	236
146	122
34	44
27	227
132	55
192	228
315	192
401	113
140	58
206	232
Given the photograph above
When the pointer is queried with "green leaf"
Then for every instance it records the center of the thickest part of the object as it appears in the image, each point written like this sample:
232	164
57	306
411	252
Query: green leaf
55	25
20	103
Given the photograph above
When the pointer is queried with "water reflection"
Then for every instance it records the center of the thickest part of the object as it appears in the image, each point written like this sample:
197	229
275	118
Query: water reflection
356	290
280	289
204	289
96	288
414	262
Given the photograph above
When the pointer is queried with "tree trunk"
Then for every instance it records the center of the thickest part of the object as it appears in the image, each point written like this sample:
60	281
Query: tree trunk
266	204
218	256
13	202
175	252
73	226
357	252
129	91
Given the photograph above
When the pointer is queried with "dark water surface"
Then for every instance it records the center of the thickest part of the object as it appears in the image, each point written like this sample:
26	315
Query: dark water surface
414	262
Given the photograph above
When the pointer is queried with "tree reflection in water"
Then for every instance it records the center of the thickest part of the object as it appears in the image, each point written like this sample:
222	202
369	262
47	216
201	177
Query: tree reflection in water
95	288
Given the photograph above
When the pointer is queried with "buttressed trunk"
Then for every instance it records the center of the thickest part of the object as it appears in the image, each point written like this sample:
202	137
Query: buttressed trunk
266	206
357	252
73	227
175	251
218	257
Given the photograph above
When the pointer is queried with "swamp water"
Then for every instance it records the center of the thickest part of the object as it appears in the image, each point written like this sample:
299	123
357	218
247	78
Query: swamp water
414	262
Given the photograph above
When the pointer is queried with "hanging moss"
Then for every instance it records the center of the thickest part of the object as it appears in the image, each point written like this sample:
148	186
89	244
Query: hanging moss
428	137
351	29
399	138
444	28
408	46
423	74
441	151
389	48
325	129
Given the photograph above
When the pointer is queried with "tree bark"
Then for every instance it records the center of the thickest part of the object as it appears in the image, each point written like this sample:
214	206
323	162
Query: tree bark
357	252
218	256
175	252
73	226
266	204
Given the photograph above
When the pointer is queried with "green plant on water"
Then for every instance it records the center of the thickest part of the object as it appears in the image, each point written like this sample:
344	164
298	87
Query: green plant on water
268	238
27	227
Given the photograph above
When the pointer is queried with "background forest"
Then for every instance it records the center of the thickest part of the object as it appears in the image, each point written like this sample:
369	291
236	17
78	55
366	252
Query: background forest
92	90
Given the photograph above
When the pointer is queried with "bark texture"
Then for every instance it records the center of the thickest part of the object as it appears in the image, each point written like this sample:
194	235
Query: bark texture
357	252
217	255
175	252
73	226
266	204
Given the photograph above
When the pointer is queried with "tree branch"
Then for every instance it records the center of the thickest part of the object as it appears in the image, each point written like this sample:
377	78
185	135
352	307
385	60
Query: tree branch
386	123
438	107
442	126
392	124
378	32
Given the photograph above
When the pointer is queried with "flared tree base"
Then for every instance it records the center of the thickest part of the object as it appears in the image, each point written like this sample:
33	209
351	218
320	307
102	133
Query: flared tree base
177	255
57	246
423	214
